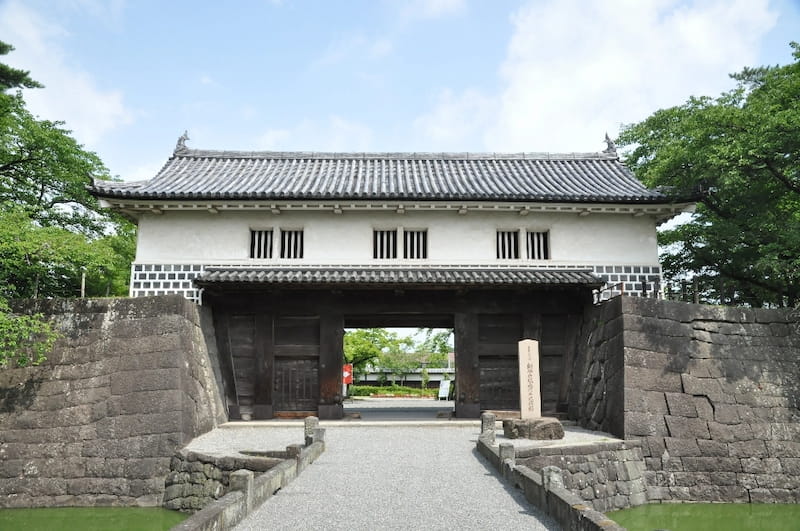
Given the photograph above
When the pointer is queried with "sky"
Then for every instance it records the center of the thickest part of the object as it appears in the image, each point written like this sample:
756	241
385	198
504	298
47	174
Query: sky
128	77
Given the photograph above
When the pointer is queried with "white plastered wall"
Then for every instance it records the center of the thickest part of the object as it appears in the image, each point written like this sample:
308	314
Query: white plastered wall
202	237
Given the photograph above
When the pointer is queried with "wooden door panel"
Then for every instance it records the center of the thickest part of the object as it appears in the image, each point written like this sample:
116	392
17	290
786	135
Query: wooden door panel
499	382
296	384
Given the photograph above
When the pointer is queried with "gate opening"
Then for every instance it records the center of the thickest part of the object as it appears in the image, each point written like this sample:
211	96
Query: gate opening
400	373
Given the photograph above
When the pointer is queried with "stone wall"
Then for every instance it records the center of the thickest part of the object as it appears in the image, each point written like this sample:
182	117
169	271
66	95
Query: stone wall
129	382
195	480
606	475
596	394
545	487
713	393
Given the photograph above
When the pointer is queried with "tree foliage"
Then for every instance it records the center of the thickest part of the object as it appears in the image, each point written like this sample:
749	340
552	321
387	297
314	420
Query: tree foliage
367	345
24	339
53	235
12	77
398	355
739	154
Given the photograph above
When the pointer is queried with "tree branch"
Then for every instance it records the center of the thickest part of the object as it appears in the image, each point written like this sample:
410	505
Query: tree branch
789	183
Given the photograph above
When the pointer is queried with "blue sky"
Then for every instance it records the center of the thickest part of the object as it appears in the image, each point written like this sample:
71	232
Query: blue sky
128	77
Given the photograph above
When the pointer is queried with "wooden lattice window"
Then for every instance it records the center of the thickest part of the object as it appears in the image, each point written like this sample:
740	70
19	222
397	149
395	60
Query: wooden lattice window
538	245
415	244
384	244
260	244
291	243
508	244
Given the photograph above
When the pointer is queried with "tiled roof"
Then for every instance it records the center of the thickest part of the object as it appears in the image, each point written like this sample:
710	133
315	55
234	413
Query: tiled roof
536	177
397	276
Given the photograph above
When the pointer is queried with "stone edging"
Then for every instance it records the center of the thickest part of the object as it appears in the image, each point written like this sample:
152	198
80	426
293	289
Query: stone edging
248	492
546	491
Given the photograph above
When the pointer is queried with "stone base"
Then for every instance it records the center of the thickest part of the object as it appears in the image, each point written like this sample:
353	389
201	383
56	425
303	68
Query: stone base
542	428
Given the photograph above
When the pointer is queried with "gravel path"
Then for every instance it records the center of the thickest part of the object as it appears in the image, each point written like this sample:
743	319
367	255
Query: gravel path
398	477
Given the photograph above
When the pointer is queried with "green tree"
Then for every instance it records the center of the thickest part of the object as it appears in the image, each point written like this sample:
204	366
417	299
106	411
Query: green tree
53	234
739	155
435	347
366	346
12	77
400	361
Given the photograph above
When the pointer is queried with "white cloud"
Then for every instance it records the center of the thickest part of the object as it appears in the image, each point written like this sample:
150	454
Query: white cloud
354	48
575	69
428	9
455	119
142	172
70	94
332	134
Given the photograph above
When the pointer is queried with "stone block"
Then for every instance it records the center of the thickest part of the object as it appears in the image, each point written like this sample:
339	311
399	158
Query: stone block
753	448
791	465
645	401
644	425
721	432
709	387
759	495
545	428
710	448
647	359
652	379
681	405
747	481
777	481
783	449
653	446
705	368
682	447
687	428
712	464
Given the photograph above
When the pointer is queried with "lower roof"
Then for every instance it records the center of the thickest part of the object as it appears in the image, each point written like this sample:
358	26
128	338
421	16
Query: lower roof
398	276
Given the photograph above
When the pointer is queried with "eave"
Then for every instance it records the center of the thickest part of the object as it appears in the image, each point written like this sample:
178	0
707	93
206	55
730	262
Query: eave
135	208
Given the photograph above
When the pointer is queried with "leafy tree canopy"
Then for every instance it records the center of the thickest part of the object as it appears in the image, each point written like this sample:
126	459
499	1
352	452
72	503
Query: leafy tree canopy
367	345
400	355
53	235
740	154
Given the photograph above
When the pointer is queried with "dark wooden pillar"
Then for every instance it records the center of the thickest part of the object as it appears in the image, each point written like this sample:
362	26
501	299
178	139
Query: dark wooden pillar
331	357
221	327
467	367
265	357
570	348
532	326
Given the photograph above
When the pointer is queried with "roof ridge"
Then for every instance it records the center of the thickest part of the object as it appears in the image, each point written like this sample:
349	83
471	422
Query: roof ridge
388	155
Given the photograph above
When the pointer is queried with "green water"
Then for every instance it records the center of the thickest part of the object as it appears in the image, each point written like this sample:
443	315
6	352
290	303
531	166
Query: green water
710	517
90	519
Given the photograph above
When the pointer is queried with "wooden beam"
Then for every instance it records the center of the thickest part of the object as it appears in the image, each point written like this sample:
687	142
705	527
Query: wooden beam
467	368
265	357
331	358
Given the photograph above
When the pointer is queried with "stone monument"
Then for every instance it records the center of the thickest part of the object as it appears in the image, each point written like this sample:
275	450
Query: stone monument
531	424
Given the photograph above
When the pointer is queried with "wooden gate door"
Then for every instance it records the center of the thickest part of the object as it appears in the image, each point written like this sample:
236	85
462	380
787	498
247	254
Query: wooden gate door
296	385
296	376
498	363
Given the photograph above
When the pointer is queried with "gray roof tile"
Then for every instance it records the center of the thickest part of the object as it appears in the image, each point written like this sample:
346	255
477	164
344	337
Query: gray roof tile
225	175
397	276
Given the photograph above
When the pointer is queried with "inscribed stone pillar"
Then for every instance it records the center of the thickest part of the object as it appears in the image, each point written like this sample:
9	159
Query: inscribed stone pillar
530	399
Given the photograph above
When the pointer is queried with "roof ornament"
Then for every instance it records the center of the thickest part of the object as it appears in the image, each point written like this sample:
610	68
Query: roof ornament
611	148
181	145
